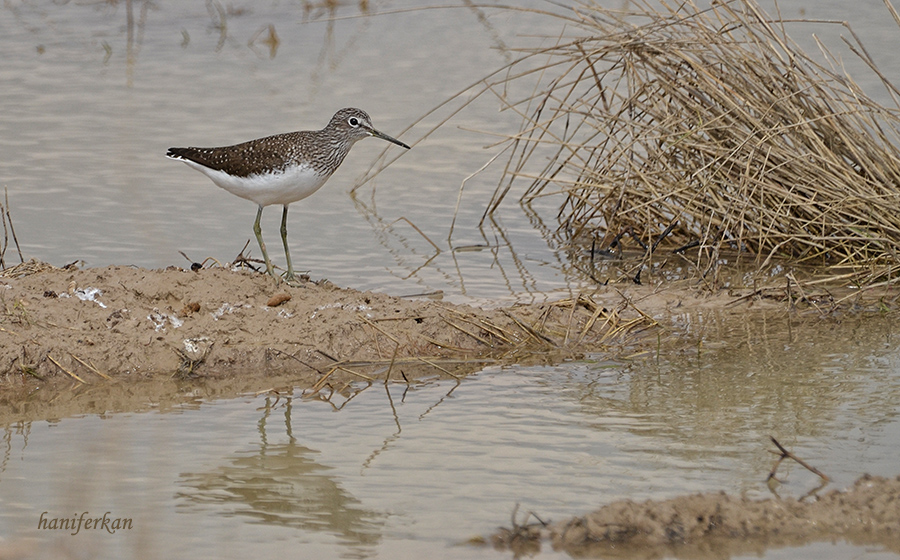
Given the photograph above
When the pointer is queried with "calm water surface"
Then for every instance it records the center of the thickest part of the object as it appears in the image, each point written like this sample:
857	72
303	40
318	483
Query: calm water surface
90	105
88	108
413	472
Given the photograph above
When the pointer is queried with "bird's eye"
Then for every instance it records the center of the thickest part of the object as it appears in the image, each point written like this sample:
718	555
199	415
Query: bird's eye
354	122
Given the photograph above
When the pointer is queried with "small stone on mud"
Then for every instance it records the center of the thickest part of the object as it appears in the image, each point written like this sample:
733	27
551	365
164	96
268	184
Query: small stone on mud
278	299
190	308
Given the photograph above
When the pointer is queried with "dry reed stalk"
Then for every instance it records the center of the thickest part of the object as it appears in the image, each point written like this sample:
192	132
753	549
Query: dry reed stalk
387	376
91	367
468	332
711	124
6	218
321	382
67	372
437	367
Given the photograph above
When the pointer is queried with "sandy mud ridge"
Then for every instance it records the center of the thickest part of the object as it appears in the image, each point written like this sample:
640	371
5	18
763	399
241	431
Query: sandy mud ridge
71	330
720	525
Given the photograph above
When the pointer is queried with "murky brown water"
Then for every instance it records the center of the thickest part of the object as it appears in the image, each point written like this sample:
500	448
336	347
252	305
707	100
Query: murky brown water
85	117
408	472
89	108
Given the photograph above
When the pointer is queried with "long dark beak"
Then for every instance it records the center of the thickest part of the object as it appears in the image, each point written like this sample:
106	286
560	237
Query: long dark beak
383	136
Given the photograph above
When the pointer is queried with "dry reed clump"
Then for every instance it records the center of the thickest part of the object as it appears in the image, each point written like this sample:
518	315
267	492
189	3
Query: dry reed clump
709	127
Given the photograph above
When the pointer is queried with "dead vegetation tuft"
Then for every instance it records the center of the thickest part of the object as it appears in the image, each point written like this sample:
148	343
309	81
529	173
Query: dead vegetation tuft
698	129
714	126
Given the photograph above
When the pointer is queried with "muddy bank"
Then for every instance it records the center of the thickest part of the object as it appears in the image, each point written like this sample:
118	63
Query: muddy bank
717	525
125	338
98	332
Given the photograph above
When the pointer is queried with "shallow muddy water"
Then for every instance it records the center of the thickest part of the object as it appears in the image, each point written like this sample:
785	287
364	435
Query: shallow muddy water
90	104
416	471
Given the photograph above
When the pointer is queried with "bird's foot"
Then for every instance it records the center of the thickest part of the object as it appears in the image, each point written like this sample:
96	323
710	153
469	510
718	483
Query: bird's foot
294	280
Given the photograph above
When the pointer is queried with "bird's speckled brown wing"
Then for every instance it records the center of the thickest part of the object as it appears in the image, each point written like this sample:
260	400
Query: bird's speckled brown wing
263	155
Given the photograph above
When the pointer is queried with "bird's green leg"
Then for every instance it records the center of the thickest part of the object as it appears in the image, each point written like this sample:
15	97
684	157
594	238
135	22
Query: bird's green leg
262	244
287	251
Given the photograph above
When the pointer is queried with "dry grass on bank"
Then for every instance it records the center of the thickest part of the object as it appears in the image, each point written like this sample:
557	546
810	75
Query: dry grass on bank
705	128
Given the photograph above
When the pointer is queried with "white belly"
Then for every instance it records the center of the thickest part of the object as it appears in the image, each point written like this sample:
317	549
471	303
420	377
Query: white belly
296	183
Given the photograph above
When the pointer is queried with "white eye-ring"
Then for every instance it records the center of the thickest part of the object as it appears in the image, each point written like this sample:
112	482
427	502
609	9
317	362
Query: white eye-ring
353	121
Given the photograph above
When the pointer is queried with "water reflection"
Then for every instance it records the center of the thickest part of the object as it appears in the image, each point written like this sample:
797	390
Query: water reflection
813	381
282	484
